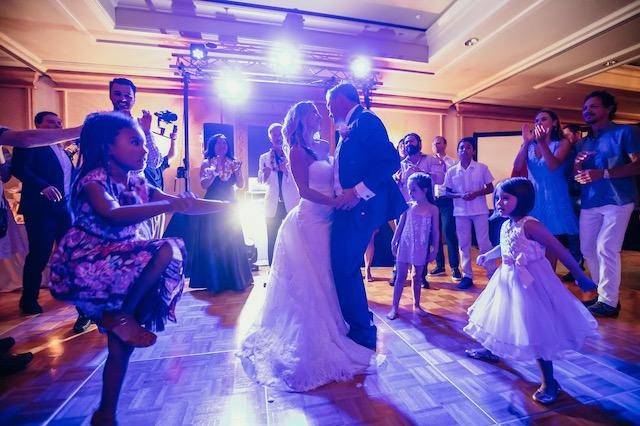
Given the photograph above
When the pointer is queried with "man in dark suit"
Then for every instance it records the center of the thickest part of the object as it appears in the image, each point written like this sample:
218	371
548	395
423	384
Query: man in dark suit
45	174
367	197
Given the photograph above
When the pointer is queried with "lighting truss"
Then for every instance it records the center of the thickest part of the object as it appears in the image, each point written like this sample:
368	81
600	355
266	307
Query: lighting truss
317	69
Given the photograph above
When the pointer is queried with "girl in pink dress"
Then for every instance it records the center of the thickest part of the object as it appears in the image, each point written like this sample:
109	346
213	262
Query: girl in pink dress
415	241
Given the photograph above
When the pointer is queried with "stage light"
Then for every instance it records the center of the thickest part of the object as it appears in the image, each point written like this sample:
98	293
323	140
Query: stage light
233	86
361	67
198	51
285	59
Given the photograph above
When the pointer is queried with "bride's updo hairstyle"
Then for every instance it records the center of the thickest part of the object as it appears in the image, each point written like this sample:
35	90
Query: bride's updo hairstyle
522	189
294	129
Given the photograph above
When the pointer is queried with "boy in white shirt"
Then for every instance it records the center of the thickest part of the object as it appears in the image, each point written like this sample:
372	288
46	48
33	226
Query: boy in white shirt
469	182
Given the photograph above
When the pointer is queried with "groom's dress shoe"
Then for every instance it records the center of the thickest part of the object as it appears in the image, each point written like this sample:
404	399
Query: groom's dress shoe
601	309
363	340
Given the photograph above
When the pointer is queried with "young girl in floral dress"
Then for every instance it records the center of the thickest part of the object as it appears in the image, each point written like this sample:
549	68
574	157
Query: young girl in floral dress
103	265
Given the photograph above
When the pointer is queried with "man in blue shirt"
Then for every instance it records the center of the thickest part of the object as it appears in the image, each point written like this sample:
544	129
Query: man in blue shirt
607	161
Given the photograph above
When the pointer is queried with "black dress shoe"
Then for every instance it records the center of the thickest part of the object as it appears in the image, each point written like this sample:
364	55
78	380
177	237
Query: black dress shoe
81	324
30	308
6	344
465	283
600	309
590	302
13	363
456	275
437	271
425	283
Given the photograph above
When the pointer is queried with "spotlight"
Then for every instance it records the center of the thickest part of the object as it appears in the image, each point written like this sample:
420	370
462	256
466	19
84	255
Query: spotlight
285	59
198	51
361	67
233	86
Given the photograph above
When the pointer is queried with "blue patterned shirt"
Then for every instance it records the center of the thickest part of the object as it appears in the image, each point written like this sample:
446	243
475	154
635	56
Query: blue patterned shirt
612	146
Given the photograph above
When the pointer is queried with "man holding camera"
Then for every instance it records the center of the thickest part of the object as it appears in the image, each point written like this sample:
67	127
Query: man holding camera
122	93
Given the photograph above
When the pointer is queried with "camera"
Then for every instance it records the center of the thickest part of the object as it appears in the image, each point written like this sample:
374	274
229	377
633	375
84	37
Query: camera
166	116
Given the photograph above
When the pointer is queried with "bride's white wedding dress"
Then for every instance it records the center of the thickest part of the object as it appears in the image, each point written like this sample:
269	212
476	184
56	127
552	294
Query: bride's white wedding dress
299	339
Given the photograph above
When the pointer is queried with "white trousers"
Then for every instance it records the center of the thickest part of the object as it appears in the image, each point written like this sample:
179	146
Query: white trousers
602	232
463	230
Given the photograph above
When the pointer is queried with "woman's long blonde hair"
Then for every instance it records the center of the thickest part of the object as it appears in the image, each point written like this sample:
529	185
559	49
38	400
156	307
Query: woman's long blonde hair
294	129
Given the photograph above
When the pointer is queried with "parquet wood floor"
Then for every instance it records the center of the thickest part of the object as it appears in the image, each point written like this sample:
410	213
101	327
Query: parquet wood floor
191	376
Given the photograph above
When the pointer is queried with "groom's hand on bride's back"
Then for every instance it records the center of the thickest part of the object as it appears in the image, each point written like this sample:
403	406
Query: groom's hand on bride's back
347	200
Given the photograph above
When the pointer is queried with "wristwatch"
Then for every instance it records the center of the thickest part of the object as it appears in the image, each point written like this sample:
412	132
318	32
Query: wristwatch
605	174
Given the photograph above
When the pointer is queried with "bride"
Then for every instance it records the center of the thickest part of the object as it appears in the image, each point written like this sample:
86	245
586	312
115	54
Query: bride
299	339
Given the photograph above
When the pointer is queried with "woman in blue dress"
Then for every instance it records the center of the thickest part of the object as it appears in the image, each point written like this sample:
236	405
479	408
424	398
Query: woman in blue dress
543	158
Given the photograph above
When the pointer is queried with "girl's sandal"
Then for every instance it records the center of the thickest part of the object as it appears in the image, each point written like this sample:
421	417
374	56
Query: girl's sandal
546	397
101	418
482	355
127	329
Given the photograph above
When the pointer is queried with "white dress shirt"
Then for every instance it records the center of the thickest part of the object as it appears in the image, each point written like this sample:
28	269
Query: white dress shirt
471	179
449	162
427	164
65	164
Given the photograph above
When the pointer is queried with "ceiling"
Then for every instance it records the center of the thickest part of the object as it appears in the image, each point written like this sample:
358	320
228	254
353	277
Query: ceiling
530	52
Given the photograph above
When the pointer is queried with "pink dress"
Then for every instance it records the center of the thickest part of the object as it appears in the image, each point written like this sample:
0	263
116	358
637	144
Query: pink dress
413	246
525	312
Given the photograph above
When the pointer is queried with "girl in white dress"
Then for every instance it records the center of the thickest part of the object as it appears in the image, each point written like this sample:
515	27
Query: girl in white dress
415	241
525	312
299	339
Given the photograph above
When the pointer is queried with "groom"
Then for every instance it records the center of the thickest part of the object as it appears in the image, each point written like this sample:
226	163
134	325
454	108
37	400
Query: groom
367	198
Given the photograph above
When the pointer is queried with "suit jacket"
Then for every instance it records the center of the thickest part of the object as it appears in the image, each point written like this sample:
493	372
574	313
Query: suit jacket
38	168
366	155
289	189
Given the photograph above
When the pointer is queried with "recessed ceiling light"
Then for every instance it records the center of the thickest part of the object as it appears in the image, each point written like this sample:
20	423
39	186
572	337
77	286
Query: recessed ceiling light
610	63
559	98
472	41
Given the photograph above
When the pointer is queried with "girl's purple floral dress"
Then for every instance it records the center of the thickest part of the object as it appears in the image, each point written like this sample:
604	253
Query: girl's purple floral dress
97	261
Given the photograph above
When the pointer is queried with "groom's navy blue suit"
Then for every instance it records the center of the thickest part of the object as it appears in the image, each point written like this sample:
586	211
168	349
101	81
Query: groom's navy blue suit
364	155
